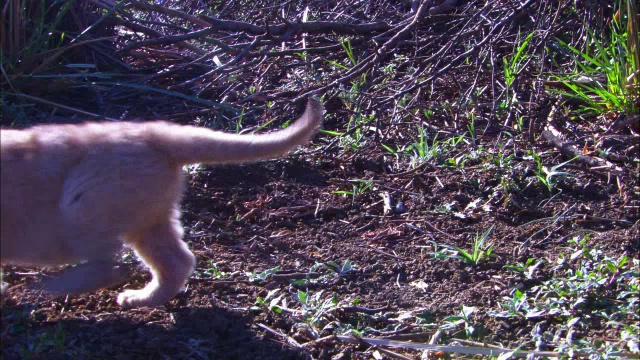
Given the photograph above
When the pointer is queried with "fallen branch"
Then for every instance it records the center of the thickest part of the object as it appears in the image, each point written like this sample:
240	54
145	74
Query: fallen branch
296	276
553	136
285	337
310	27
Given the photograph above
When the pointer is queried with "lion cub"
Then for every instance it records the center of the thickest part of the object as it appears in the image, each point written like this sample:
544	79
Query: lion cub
79	193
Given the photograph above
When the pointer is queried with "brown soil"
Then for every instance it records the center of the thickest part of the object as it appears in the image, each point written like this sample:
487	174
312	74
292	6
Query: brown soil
285	214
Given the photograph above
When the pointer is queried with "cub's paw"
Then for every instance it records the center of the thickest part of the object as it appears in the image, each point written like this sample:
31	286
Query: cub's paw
129	299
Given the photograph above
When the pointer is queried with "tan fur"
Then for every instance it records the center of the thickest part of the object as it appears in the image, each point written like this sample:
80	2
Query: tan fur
79	193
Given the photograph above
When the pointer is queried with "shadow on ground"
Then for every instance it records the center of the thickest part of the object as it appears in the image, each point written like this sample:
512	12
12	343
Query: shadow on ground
197	333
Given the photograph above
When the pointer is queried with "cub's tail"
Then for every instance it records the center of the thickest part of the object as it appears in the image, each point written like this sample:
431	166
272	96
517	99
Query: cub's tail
189	144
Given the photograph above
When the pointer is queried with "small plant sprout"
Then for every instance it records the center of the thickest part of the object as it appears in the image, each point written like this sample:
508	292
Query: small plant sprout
358	187
346	45
211	272
342	269
550	176
463	318
471	126
511	307
239	122
513	65
44	342
334	270
261	276
420	147
527	269
479	252
315	308
271	302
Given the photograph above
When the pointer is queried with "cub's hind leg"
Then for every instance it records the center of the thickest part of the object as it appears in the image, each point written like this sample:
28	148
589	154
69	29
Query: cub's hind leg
171	262
89	276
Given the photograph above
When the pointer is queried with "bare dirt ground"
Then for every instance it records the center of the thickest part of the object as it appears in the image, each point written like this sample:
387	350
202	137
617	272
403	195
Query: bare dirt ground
285	214
314	224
